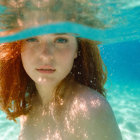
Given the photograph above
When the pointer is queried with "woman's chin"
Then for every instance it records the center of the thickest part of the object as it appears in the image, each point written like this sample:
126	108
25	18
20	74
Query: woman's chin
45	81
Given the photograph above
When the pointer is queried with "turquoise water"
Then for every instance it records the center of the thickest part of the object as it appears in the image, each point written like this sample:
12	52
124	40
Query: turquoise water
120	52
123	63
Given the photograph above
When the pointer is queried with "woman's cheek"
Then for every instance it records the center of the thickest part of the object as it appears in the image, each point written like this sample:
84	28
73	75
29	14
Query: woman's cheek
65	55
28	57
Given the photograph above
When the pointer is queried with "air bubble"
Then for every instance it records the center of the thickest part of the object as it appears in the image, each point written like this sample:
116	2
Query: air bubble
79	73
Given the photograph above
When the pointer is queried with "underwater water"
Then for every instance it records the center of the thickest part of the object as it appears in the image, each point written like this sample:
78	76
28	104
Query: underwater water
120	53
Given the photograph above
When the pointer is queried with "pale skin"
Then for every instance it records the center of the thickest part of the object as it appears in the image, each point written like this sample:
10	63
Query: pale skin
87	116
58	51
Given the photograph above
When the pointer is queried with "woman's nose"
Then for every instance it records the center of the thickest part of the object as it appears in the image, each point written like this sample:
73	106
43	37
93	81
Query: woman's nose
46	51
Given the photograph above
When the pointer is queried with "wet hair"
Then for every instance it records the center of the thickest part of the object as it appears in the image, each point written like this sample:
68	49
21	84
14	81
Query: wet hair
17	88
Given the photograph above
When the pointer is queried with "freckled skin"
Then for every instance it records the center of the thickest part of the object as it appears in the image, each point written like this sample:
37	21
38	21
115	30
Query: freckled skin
87	104
41	124
57	51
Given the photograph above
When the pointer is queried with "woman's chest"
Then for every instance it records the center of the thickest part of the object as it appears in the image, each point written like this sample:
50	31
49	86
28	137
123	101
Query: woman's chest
42	125
41	130
47	128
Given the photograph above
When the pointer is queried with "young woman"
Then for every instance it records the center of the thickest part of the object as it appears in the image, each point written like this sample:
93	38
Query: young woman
55	82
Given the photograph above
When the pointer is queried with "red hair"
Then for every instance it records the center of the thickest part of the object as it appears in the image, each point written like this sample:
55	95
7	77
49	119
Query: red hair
17	89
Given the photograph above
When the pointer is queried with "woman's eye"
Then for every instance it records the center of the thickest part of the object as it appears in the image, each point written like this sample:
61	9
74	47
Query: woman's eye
61	40
31	40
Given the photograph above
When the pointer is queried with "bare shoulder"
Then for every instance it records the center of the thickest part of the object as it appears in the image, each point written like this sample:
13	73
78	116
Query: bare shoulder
95	115
92	98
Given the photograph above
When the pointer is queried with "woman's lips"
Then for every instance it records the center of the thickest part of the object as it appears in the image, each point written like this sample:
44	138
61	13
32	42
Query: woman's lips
46	67
45	71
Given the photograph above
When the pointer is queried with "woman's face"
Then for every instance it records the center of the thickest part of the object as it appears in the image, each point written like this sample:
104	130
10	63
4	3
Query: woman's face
49	58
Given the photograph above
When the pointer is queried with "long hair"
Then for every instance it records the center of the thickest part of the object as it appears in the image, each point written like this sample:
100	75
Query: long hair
17	88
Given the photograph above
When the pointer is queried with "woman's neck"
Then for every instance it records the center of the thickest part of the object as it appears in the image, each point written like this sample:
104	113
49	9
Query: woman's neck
45	93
